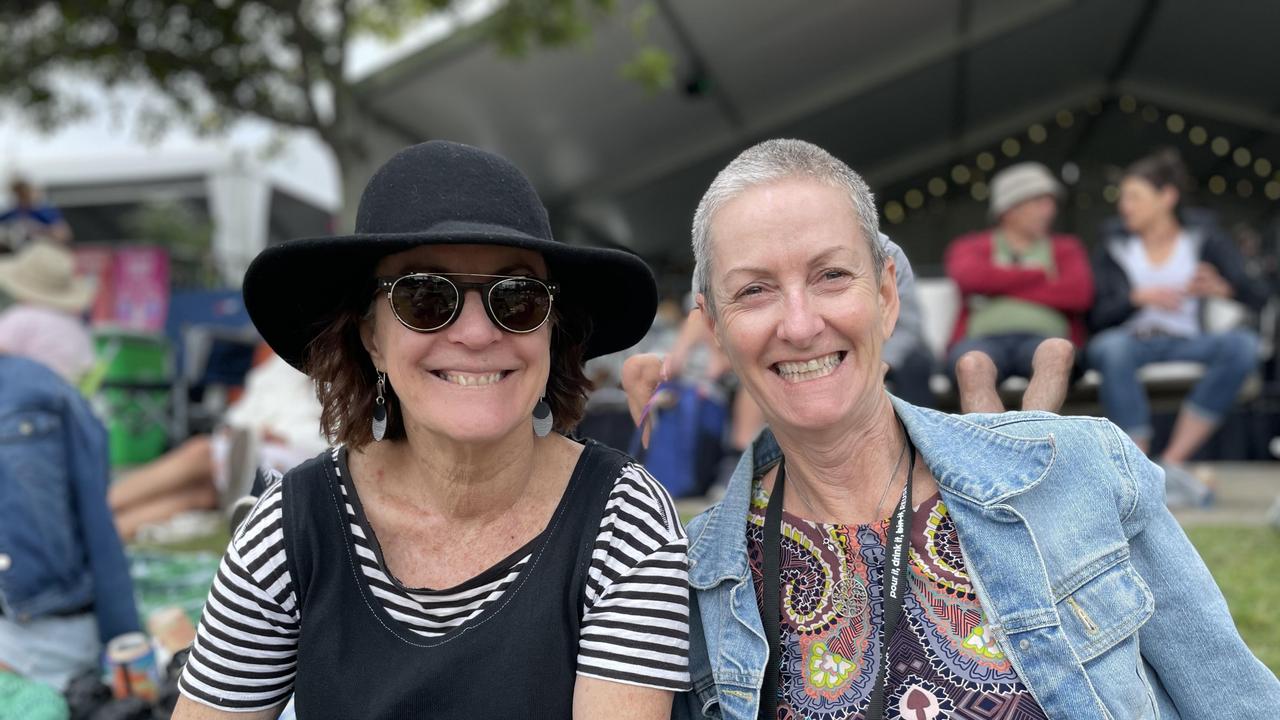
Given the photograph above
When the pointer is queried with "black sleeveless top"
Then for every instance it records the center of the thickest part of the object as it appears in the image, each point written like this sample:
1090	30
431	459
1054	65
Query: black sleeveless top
516	659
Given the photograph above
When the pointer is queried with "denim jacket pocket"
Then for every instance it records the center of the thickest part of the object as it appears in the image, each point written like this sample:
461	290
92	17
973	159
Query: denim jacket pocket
1100	618
1105	609
38	497
26	425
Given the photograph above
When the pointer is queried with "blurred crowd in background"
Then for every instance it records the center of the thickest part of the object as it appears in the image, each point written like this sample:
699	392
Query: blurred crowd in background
1167	313
125	347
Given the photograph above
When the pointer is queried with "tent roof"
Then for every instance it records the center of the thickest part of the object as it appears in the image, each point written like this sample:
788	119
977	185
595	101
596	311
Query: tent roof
895	89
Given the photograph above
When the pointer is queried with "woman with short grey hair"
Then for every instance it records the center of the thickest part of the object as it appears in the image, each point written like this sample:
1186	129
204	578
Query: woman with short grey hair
874	559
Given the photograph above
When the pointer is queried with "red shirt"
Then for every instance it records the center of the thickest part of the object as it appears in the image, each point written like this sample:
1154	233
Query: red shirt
1069	290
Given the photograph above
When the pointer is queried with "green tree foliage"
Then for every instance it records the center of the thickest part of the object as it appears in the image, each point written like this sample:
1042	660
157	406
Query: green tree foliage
185	232
216	61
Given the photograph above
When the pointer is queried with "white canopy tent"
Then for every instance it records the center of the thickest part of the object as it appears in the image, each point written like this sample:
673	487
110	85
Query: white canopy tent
97	168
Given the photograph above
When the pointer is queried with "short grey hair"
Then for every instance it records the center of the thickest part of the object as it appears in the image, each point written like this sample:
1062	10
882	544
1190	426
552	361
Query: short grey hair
768	162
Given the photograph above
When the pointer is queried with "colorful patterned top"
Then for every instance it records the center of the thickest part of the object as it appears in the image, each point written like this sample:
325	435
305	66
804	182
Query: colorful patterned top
942	663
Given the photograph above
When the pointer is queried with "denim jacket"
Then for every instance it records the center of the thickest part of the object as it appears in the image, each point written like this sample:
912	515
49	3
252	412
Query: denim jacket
59	550
1090	586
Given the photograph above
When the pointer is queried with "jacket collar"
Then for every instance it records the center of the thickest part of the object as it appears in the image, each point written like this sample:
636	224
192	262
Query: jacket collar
969	456
718	537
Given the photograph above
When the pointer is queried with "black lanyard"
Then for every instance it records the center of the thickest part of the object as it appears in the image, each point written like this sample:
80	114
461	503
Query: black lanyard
894	580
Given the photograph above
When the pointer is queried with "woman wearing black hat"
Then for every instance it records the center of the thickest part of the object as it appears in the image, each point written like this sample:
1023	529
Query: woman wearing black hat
454	554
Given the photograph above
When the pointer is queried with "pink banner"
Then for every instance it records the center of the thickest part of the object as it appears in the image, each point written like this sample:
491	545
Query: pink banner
133	285
140	279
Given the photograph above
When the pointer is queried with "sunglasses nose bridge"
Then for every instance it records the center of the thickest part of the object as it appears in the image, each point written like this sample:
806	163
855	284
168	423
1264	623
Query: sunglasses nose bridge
473	298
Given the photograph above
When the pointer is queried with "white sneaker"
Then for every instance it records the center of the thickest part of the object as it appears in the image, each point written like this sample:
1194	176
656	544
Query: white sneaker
1273	515
1184	490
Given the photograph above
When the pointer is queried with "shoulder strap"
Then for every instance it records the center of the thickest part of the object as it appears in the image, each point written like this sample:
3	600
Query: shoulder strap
306	491
600	468
603	461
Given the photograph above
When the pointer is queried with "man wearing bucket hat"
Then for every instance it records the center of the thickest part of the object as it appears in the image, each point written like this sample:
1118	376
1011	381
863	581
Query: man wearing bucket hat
455	555
45	322
1019	284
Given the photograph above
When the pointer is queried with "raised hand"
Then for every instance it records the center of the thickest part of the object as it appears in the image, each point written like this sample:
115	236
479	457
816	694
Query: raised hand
1207	282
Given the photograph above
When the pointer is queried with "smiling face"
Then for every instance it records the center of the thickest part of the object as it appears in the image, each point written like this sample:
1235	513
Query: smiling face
798	308
470	382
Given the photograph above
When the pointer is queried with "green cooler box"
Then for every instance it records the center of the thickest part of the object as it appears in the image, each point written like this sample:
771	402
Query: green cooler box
134	395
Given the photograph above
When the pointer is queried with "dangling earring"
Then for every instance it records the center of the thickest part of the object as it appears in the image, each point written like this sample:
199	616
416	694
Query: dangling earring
542	419
380	409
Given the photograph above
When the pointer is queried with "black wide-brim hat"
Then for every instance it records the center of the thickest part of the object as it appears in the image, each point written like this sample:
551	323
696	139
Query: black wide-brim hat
441	193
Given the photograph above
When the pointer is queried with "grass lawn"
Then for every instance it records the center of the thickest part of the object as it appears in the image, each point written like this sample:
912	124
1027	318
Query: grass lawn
1246	563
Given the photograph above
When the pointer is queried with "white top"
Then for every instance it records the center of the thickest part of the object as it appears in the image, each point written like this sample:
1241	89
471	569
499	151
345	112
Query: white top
1176	272
280	400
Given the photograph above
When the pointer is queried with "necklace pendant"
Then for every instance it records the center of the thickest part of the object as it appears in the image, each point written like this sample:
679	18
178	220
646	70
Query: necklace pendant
849	597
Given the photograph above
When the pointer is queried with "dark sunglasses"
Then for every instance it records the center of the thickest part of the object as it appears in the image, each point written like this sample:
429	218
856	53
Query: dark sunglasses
429	302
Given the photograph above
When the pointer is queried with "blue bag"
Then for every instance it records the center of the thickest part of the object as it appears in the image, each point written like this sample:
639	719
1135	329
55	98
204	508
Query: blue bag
686	444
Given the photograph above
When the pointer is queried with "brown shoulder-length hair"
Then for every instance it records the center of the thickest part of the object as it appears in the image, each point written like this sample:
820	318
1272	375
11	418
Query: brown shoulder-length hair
346	381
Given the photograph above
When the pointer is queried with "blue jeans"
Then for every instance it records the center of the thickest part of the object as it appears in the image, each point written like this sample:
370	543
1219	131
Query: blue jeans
51	650
1117	354
1011	353
910	379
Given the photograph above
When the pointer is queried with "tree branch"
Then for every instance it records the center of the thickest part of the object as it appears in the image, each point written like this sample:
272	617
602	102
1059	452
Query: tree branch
307	43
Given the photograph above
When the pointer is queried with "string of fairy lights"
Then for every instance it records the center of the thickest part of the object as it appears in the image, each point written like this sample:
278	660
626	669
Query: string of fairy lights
1251	174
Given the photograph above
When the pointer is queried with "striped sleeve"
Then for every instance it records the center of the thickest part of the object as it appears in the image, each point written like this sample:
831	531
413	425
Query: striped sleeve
635	626
245	652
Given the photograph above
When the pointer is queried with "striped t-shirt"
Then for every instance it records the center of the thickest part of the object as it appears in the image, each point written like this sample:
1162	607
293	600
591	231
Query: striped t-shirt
635	619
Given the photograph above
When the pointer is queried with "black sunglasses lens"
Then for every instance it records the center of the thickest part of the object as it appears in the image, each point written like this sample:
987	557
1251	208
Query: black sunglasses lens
520	304
424	302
